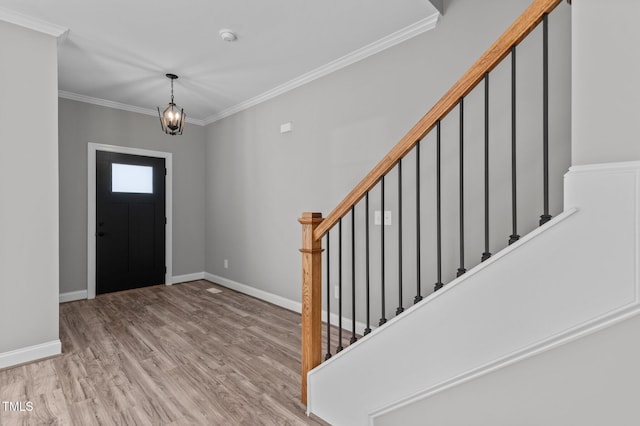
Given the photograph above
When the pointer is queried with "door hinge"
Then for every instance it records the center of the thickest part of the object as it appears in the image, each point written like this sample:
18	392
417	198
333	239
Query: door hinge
165	269
165	171
165	220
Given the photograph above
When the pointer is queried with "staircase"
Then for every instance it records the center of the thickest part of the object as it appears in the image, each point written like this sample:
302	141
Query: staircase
455	186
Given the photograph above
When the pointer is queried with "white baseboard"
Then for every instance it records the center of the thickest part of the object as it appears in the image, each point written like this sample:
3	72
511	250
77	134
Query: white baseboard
73	295
30	353
176	279
347	324
283	302
254	292
82	294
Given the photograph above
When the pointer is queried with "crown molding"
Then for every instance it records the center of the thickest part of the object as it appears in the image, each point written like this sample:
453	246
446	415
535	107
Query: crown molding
438	4
31	23
386	42
118	105
391	40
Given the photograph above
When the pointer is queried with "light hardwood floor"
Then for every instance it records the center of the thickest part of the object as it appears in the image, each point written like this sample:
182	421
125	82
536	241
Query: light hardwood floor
176	355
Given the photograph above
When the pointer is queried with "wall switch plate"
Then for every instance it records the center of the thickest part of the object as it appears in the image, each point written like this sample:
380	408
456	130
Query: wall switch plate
377	217
226	264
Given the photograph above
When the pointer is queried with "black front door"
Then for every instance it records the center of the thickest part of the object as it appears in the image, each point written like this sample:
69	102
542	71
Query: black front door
130	221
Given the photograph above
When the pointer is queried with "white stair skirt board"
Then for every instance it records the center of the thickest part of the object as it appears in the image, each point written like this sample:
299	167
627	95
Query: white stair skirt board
541	292
279	301
73	295
30	353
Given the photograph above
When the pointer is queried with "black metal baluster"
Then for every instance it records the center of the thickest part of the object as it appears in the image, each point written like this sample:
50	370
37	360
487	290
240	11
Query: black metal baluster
438	284
367	330
400	309
328	355
418	289
514	210
487	253
545	65
383	318
339	348
353	275
461	269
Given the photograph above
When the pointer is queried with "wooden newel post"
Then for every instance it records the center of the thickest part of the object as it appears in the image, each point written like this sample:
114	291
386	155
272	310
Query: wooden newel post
311	297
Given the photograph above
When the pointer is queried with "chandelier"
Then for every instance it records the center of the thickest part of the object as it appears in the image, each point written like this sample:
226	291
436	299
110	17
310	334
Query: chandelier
172	117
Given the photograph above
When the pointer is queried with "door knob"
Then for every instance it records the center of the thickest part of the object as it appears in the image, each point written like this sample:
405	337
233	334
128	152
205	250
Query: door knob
100	234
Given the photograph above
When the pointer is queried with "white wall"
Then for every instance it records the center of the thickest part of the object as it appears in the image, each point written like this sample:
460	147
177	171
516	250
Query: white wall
606	87
259	181
594	381
81	123
28	195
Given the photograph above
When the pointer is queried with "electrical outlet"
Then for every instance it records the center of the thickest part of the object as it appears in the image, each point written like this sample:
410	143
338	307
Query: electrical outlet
226	264
377	217
387	217
337	292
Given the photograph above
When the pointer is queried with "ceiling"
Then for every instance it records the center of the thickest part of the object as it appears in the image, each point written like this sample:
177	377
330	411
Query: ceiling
118	51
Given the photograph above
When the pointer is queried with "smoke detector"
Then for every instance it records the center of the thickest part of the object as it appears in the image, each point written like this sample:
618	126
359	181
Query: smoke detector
228	35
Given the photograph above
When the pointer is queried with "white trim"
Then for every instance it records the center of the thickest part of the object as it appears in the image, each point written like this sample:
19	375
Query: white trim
62	38
391	40
378	46
606	167
598	324
117	105
438	4
279	300
346	323
73	296
31	23
91	208
30	353
187	277
254	292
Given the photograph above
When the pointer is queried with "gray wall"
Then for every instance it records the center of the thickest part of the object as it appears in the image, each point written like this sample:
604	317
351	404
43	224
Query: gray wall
590	382
81	123
259	181
605	81
28	188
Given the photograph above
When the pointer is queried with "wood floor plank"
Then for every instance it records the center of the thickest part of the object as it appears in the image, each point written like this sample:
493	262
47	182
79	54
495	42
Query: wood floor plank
171	355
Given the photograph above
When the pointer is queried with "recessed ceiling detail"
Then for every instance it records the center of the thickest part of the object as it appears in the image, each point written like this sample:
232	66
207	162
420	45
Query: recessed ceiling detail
119	60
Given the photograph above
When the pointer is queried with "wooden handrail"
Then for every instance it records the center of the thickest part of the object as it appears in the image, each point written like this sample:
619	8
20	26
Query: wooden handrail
526	23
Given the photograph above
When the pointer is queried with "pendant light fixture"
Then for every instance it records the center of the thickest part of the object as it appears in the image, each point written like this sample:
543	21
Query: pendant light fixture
172	118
